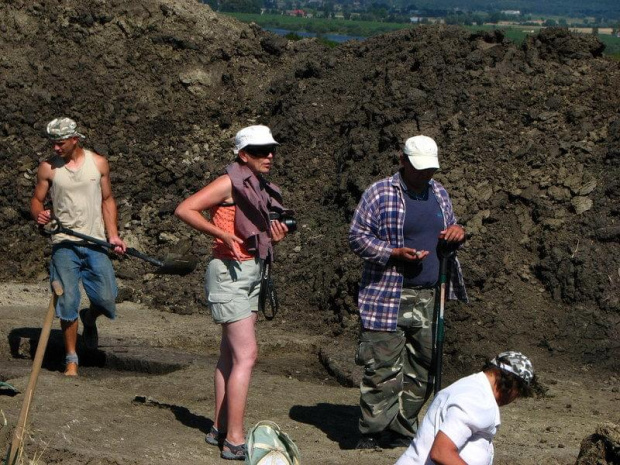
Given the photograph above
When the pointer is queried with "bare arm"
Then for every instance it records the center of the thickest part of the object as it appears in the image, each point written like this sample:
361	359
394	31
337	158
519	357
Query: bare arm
445	452
44	181
108	205
190	210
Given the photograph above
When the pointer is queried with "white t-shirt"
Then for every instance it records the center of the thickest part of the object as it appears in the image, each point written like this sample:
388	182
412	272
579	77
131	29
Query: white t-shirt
467	413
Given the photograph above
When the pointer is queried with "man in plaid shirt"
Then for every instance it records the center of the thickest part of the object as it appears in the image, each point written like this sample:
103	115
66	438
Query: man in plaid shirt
395	229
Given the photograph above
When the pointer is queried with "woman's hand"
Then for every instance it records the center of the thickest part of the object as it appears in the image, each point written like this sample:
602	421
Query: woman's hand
278	231
230	240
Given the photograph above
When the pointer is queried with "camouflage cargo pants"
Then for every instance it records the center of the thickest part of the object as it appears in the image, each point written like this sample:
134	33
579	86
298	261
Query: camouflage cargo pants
395	384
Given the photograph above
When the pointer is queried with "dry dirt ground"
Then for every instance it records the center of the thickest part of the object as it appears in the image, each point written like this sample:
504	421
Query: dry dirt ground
150	400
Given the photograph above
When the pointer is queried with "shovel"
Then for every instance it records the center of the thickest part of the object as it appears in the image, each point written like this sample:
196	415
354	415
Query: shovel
445	251
179	266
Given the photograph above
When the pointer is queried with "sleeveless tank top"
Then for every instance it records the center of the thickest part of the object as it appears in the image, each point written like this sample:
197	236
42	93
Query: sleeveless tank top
76	199
223	216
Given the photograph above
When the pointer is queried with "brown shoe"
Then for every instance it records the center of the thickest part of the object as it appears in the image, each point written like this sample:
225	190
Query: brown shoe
71	369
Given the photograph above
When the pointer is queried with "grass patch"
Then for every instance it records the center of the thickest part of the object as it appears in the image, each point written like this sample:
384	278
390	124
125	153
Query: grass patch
328	43
516	35
612	45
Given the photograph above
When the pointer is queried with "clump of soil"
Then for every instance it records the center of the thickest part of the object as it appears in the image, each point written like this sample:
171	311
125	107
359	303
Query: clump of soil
602	447
529	143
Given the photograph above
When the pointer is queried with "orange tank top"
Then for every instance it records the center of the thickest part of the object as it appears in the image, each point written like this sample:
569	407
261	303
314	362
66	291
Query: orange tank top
223	216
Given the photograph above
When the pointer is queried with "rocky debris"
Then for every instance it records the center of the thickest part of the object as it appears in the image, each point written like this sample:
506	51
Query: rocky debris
602	447
559	44
529	143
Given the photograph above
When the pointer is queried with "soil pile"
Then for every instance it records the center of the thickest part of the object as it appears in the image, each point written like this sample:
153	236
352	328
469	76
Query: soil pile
602	447
156	86
529	150
529	143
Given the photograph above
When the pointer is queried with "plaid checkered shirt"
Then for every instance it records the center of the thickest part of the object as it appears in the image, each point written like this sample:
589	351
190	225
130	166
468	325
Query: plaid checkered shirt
377	229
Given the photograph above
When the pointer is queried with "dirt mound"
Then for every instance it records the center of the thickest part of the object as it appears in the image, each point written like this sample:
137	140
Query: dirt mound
602	447
156	86
530	155
529	139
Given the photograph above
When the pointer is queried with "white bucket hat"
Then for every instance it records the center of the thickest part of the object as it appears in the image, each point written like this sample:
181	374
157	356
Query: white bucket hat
253	135
422	152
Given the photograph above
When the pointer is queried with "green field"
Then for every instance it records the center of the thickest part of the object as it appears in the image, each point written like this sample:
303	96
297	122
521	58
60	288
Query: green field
612	45
371	28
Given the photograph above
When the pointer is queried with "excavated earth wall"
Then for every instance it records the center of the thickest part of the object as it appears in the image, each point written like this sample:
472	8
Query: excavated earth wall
529	143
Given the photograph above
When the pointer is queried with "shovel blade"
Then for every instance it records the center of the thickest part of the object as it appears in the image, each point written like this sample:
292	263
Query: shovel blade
178	266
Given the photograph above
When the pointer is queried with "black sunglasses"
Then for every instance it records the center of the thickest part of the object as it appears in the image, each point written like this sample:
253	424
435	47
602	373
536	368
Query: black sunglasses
260	151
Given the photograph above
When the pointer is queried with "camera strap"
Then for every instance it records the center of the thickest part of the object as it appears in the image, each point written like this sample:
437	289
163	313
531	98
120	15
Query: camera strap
267	296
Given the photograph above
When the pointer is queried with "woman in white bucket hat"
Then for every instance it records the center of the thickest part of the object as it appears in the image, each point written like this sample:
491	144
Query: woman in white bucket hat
239	202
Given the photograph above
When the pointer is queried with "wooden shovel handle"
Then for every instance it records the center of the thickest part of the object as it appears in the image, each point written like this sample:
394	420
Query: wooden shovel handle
20	429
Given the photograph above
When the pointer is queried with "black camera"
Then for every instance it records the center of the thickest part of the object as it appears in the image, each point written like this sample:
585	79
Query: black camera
287	218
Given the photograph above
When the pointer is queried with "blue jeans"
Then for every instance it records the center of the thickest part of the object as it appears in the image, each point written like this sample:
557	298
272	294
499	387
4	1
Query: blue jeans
72	262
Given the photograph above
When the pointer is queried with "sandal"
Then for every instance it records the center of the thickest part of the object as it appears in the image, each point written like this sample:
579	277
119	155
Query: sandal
233	452
214	437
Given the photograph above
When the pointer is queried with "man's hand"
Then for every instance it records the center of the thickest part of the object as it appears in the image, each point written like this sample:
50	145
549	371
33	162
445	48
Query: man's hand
44	217
409	255
120	246
453	233
278	231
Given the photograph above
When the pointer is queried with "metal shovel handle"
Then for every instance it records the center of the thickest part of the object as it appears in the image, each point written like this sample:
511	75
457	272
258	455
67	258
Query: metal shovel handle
57	228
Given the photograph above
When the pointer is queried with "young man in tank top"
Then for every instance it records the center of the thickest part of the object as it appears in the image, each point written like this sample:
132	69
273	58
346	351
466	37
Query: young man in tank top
78	183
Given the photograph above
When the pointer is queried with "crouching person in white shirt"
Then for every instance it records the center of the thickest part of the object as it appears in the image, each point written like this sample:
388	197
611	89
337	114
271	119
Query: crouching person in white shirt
462	420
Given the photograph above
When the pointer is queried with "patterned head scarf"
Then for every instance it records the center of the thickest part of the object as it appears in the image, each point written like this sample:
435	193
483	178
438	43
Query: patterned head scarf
515	363
62	128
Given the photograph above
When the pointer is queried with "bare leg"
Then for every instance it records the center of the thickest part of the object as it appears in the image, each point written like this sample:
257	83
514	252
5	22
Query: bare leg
222	372
69	334
241	341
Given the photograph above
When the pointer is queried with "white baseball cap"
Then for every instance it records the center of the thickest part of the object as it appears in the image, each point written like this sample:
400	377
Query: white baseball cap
422	152
253	135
